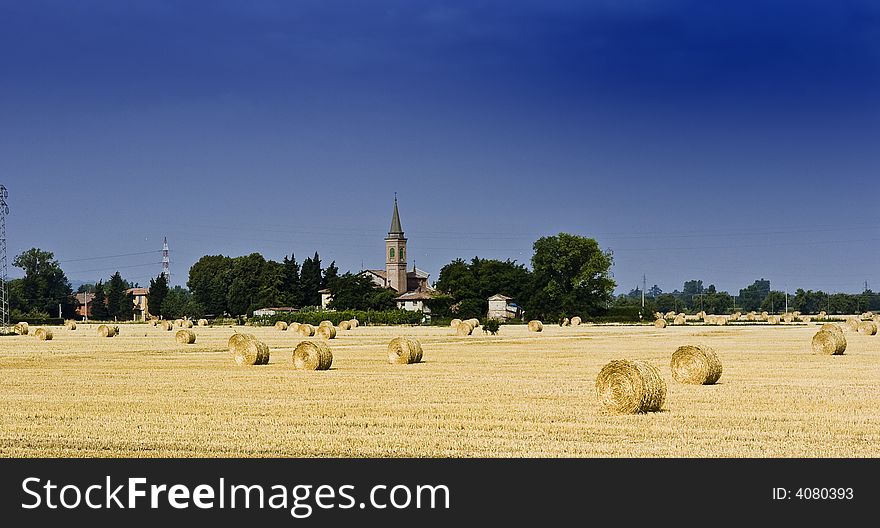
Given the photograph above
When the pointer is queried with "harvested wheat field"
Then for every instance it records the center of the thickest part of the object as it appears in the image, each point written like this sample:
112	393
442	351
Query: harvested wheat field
517	394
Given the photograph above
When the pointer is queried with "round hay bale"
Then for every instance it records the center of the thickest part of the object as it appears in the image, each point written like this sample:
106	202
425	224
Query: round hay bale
326	332
576	321
679	320
853	323
106	331
535	326
823	314
306	330
280	325
773	319
709	320
630	387
670	315
185	336
344	325
21	328
187	323
475	323
154	322
696	365
788	318
735	316
203	322
312	355
877	319
355	323
178	322
325	322
660	323
247	350
565	322
454	323
43	334
70	325
293	327
464	329
829	343
751	316
806	319
404	350
116	329
167	326
868	328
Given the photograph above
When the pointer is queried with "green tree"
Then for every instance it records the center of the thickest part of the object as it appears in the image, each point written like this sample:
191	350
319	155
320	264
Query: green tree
809	301
271	285
291	282
310	281
44	285
751	297
359	292
209	283
571	275
157	295
176	303
98	306
470	284
774	302
244	286
120	305
329	274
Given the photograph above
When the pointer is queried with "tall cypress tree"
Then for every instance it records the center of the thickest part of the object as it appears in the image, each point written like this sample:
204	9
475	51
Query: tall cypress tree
329	274
310	281
291	282
157	295
119	304
98	307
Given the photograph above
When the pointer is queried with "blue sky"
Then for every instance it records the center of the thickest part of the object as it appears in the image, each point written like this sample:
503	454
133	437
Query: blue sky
725	141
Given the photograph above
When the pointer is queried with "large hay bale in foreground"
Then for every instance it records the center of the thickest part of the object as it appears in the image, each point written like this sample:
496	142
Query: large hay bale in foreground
630	387
868	328
185	336
535	326
464	329
326	332
107	331
21	328
829	343
344	325
280	325
312	355
660	323
70	325
305	330
696	365
576	321
404	350
203	322
247	350
43	334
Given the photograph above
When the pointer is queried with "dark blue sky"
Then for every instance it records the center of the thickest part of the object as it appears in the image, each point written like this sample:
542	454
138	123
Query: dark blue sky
724	141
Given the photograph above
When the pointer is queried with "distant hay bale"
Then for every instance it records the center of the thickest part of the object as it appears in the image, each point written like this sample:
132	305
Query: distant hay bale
475	323
326	322
853	324
404	351
806	319
185	336
773	319
660	323
696	365
670	315
203	322
464	329
106	331
535	326
735	316
167	326
829	342
178	322
280	325
454	323
630	387
701	315
187	323
326	332
21	328
344	325
247	350
312	355
355	323
868	328
70	325
306	330
823	314
154	322
710	320
565	322
679	320
293	327
788	318
877	319
576	321
43	334
751	316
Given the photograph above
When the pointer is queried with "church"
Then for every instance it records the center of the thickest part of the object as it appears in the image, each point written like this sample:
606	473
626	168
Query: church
412	285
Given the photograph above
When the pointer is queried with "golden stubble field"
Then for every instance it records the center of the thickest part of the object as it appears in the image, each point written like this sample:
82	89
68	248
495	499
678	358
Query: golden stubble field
518	394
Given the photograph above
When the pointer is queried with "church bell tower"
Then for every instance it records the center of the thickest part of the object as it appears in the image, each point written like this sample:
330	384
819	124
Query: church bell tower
395	254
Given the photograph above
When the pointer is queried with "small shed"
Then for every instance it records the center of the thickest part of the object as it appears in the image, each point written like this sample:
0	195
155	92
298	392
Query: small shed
502	307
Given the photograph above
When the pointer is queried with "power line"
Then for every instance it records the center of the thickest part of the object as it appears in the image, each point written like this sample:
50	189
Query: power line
110	256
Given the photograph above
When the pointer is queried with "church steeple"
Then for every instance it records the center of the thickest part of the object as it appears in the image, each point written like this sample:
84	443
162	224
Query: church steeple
395	254
395	222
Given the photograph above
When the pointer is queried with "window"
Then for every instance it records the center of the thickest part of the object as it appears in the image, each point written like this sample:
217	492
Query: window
391	254
402	254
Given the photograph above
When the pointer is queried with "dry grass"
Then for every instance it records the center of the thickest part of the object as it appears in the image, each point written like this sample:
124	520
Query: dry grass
81	395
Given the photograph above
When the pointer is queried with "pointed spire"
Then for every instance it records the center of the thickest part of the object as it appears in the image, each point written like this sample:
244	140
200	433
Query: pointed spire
395	220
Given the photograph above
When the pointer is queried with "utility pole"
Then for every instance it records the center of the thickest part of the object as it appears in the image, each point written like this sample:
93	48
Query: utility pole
644	285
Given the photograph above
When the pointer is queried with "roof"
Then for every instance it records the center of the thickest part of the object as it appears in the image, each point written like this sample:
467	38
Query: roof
415	296
325	290
499	297
395	221
138	291
378	273
279	309
83	298
416	272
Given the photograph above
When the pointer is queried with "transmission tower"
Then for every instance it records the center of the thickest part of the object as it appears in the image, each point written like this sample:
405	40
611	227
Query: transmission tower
4	287
166	262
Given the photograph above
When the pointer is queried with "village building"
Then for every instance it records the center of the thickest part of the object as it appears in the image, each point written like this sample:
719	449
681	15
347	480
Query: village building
140	298
502	307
